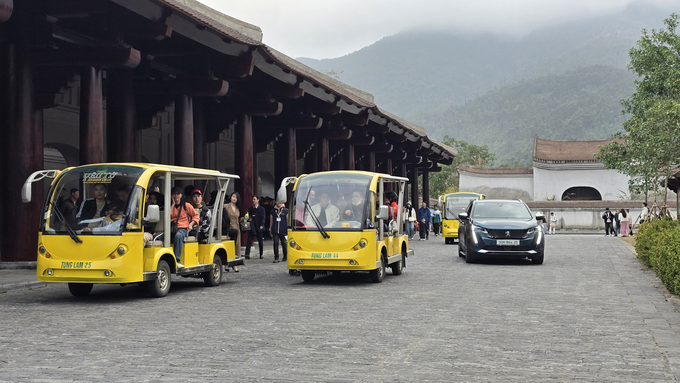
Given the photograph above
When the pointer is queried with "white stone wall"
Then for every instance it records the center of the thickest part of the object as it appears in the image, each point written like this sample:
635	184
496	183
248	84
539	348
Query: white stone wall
580	219
551	181
498	185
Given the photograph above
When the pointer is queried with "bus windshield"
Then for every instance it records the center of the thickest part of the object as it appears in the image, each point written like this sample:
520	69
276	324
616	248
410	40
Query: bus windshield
92	200
333	202
456	204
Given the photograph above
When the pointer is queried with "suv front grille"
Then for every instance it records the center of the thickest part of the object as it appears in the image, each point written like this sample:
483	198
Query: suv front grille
503	234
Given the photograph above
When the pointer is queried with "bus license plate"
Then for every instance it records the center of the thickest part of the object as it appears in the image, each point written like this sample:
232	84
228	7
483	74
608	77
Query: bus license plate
507	242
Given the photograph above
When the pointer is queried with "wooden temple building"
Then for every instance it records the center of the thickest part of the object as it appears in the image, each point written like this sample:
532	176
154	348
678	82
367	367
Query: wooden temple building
176	82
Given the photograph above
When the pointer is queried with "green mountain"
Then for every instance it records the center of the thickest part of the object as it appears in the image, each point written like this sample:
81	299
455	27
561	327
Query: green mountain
579	104
445	81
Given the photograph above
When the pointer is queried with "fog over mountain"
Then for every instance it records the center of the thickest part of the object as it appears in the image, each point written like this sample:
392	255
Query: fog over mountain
438	79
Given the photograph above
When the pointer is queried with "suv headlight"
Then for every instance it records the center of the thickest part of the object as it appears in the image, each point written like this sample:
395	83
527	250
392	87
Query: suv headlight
533	230
479	229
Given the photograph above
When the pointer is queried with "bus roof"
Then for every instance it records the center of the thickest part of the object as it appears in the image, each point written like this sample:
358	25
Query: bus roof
179	172
372	174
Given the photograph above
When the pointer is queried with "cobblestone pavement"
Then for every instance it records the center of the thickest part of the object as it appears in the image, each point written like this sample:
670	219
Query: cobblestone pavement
590	313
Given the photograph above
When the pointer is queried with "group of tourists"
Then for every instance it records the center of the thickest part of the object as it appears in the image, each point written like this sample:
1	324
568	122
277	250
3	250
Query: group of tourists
422	220
619	222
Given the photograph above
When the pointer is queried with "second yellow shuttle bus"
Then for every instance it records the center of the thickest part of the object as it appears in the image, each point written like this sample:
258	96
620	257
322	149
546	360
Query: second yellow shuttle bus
451	205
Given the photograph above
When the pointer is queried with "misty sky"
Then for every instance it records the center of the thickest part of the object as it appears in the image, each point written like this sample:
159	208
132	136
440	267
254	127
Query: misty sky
327	29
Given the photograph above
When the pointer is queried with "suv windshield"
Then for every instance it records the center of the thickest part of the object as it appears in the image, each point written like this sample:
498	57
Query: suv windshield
501	209
334	201
94	200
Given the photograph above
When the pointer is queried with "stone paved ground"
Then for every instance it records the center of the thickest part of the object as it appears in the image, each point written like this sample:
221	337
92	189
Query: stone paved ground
590	313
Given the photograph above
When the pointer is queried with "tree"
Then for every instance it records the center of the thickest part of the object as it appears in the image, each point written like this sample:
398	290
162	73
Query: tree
446	181
648	149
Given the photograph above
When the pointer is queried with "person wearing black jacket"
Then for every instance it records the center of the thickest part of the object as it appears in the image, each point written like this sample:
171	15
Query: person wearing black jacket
256	217
608	218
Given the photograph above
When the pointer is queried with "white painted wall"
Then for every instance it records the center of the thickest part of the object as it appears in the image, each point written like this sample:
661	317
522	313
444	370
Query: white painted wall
551	181
585	218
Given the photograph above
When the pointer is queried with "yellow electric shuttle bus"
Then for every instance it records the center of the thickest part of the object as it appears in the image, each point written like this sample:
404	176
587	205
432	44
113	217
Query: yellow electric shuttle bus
451	205
117	236
341	221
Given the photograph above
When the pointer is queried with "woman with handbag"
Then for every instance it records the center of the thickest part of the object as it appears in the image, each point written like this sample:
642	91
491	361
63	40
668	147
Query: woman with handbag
234	212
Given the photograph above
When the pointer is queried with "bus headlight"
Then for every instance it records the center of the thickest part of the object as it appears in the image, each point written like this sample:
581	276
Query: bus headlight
121	250
49	271
352	262
292	243
300	261
107	272
360	245
42	250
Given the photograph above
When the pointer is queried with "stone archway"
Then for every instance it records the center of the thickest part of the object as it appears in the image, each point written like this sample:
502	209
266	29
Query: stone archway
581	193
60	154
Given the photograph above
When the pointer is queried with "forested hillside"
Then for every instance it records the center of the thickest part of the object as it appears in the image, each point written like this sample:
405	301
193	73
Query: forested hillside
579	104
543	83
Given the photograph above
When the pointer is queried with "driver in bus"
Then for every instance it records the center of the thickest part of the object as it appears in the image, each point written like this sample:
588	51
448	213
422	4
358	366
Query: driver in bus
96	207
327	213
355	208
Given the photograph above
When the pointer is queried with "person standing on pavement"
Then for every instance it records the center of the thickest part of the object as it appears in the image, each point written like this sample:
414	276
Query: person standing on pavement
233	208
410	217
623	218
436	220
256	218
644	213
553	223
424	218
278	226
608	218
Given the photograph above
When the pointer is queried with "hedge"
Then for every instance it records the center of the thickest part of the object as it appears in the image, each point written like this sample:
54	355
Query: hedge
658	246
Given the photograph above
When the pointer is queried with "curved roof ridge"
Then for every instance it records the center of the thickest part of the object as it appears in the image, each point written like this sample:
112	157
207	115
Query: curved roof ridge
548	150
233	28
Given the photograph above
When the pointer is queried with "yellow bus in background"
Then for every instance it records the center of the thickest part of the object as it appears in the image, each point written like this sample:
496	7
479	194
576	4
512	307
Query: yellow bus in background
128	240
451	205
341	221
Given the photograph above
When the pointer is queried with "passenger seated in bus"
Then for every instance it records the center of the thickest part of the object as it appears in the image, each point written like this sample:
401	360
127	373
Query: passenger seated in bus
355	209
110	222
202	231
156	198
96	207
186	218
70	207
327	213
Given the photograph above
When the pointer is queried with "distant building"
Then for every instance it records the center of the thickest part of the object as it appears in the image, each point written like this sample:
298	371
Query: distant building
562	170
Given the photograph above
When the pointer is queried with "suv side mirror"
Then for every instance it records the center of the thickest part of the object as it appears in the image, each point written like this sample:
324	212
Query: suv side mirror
153	213
383	212
462	216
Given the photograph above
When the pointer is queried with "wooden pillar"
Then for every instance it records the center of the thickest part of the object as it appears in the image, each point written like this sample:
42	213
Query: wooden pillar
414	186
243	148
426	186
351	165
21	153
291	139
91	116
311	160
184	131
324	163
123	143
371	161
280	160
200	135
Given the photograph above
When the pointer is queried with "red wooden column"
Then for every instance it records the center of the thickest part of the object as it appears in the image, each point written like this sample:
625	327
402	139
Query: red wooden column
243	148
371	161
324	163
351	165
426	186
184	131
414	186
291	168
123	143
200	135
91	116
21	154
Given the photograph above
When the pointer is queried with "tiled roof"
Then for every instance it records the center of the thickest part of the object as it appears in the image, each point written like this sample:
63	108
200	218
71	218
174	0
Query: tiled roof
232	28
357	96
546	150
485	170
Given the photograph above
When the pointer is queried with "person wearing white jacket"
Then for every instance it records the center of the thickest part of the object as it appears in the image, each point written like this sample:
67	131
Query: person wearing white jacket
410	216
553	223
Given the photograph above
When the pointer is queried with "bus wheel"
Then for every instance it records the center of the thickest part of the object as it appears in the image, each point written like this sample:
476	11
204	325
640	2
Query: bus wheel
378	274
308	275
161	286
80	289
214	277
398	267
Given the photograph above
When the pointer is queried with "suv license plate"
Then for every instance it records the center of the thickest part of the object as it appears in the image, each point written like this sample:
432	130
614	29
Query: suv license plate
507	242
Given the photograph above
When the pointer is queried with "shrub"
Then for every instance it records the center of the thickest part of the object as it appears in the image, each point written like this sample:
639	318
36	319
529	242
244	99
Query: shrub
658	246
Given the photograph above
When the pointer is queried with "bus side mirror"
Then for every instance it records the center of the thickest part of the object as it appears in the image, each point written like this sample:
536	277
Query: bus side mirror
282	194
440	202
462	216
383	212
153	213
26	192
